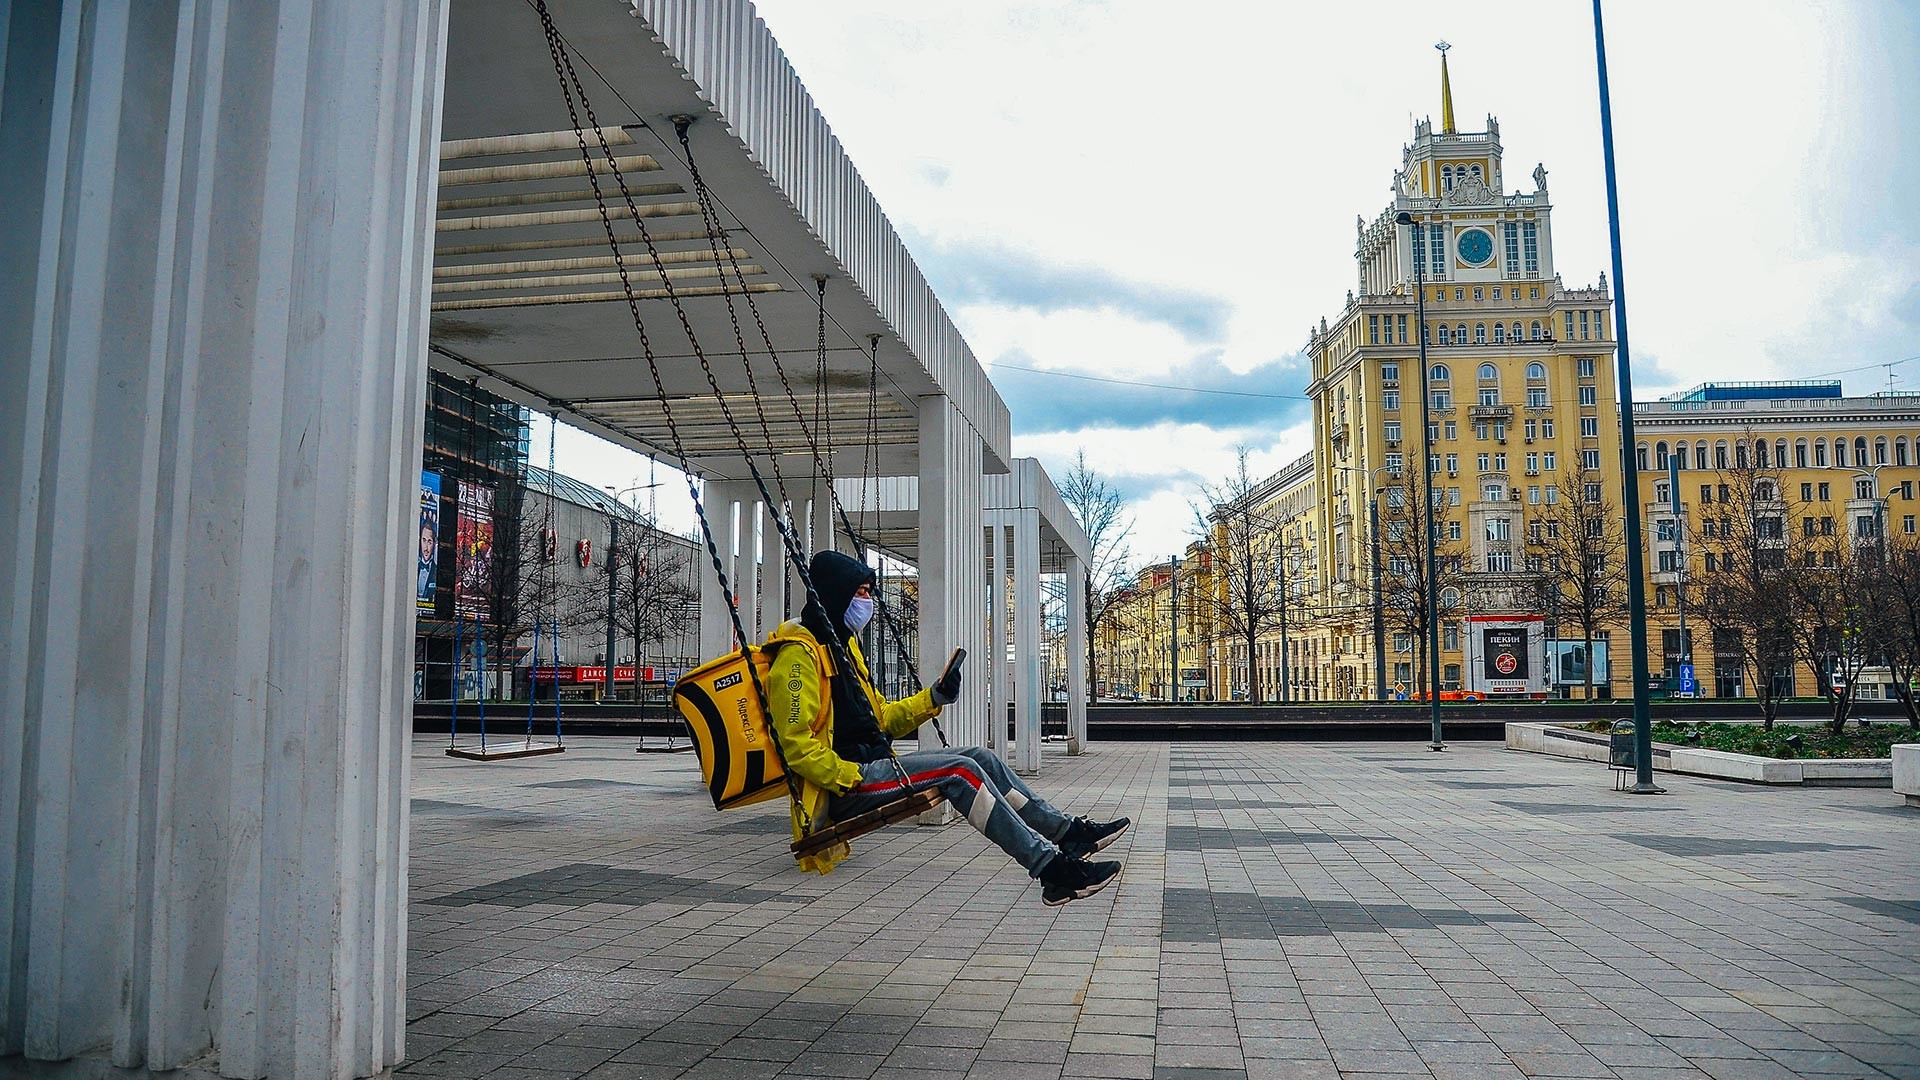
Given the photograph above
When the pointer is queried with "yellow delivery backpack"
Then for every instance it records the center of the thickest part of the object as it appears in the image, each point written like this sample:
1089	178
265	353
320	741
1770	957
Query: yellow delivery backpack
738	756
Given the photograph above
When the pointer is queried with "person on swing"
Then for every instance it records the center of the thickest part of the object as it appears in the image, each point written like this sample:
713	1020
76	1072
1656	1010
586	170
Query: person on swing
840	744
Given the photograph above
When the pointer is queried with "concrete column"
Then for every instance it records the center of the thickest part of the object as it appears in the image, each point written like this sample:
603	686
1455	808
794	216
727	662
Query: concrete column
993	665
952	593
1076	586
212	374
729	506
1029	682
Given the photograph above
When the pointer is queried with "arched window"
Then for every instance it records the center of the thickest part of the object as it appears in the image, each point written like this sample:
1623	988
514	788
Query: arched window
1800	453
1779	453
1680	454
1438	373
1426	335
1860	450
1460	334
1764	492
1446	335
1720	455
1536	370
1660	456
1839	451
1760	454
1534	333
1819	453
1499	333
1880	450
1640	455
1740	458
1900	450
1449	598
1446	178
1476	172
1514	333
1488	373
1480	333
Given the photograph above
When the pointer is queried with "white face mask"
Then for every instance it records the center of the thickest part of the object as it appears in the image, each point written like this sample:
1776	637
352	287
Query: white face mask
859	610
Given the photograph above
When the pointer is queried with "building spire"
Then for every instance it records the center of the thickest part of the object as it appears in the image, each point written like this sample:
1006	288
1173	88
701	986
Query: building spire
1446	92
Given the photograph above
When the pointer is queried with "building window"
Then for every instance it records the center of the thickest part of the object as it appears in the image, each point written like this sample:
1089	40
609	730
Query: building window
1453	464
1499	462
1510	233
1483	463
1453	527
1806	494
1533	464
1569	322
1479	333
1530	239
1390	400
1536	397
1453	430
1907	525
1499	333
1535	333
1589	396
1499	528
1392	430
1460	294
1450	637
1373	329
1514	334
1800	455
1390	372
1546	428
1437	252
1439	373
1460	334
1443	399
1489	395
1499	562
1863	488
1551	496
1547	463
1819	454
1900	450
1479	293
1583	326
1593	493
1880	450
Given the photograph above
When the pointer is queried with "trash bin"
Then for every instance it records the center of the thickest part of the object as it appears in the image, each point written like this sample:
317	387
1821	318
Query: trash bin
1620	750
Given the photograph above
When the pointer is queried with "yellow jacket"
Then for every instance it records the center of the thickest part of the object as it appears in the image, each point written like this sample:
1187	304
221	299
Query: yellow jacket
802	719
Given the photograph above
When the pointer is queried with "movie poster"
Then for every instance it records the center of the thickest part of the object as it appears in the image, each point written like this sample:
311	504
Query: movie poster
473	574
429	542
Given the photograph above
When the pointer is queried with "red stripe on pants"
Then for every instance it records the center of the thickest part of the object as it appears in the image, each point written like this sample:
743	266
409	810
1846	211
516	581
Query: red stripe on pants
972	778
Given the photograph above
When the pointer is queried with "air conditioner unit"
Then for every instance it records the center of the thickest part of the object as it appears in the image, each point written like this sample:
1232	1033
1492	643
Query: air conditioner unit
1453	472
1514	494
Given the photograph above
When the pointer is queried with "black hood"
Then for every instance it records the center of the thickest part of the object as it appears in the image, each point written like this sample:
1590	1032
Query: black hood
835	577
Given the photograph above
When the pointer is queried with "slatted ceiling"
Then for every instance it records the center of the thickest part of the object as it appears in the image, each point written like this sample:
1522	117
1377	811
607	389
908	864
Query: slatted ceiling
530	183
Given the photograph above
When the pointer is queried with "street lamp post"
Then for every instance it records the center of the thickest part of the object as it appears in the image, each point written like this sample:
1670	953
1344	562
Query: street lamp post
1630	468
1426	468
1173	616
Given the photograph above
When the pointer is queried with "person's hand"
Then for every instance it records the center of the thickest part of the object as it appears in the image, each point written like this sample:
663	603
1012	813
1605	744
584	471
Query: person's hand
947	690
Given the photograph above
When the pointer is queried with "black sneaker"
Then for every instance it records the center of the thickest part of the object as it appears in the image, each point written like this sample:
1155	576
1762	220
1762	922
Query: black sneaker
1070	878
1085	836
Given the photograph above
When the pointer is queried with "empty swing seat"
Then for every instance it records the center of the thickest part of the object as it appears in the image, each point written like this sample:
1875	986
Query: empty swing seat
861	824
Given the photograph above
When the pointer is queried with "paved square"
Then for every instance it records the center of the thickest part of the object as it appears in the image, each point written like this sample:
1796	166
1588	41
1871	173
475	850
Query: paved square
1288	910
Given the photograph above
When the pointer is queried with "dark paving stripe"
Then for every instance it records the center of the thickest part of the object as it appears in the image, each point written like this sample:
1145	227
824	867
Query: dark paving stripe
1202	915
1702	847
1219	838
1552	809
1906	910
579	884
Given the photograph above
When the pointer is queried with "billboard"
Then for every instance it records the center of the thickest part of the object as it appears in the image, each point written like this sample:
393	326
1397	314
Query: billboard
1504	651
429	542
473	537
1568	662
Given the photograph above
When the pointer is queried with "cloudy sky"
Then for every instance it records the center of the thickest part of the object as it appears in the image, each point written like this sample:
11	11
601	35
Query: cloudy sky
1166	194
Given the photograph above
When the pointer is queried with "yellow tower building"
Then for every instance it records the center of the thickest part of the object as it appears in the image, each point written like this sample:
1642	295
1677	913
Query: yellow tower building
1521	410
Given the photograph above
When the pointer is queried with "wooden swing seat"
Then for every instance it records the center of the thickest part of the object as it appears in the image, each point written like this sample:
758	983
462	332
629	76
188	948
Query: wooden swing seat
503	750
861	824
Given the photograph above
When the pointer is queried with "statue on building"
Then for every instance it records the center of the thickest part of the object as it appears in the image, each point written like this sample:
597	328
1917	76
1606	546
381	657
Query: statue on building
1540	177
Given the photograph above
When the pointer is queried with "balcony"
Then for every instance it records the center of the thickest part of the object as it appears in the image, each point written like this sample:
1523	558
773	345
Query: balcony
1489	412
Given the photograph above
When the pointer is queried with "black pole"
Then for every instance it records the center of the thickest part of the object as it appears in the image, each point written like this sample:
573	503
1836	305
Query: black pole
1629	465
1173	615
613	579
1426	468
1379	612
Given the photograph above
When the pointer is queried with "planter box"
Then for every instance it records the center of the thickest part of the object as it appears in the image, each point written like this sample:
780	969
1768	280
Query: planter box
1906	771
1695	761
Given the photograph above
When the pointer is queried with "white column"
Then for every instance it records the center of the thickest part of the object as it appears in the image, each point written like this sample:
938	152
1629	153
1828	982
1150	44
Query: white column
1076	586
952	592
993	661
1029	688
728	505
212	376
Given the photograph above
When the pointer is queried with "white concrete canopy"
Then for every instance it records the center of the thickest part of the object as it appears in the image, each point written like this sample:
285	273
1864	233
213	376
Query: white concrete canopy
526	296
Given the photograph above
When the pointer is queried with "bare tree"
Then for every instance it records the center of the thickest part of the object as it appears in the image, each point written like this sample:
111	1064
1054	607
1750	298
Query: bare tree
1898	585
1405	570
1575	542
1249	599
1746	595
1835	584
1101	511
658	597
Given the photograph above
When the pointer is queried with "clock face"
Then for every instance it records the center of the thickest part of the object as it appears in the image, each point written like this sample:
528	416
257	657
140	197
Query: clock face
1476	247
